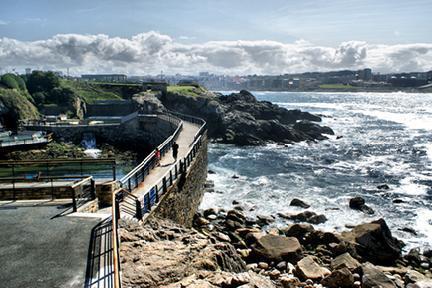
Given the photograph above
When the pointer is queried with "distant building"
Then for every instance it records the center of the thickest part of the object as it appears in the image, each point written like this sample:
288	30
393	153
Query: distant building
105	77
28	71
365	74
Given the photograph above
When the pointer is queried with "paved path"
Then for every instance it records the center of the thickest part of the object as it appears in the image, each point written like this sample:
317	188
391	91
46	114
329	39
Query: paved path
184	140
38	249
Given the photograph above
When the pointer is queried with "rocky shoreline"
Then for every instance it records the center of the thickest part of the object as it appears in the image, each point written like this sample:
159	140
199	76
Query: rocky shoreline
239	118
227	248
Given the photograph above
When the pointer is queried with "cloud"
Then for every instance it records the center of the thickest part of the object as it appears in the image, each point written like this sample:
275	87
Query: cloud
2	22
151	52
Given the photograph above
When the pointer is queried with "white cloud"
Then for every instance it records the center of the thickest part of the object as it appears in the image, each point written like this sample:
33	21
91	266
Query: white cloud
152	52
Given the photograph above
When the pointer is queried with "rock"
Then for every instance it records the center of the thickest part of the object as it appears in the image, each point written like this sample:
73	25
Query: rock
222	237
251	266
235	177
264	220
212	217
413	276
210	211
427	253
339	278
307	268
298	230
374	242
299	203
236	215
281	266
263	265
373	277
290	282
358	203
414	256
274	274
200	221
383	187
408	230
308	216
345	261
420	284
276	248
398	201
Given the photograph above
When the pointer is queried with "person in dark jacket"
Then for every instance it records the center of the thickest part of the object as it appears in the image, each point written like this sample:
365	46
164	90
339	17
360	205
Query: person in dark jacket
175	148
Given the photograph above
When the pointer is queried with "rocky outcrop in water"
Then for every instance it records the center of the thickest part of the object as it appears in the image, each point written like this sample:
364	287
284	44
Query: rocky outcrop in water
241	119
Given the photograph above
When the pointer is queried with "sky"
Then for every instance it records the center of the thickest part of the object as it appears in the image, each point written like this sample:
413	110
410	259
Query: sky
223	36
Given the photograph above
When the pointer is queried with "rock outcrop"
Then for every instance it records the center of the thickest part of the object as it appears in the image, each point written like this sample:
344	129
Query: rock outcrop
241	119
375	243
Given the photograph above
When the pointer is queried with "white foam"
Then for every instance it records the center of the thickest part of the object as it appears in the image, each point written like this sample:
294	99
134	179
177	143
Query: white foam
408	187
92	152
424	224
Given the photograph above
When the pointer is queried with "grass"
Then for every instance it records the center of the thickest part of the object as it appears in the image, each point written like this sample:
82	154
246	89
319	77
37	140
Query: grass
186	90
335	86
90	92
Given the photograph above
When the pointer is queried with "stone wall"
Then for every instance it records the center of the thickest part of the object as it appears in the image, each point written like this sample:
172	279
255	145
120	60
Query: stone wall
136	134
46	192
183	198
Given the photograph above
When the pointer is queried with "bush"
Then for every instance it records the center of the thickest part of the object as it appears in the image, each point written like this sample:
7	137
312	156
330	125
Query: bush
61	96
39	98
9	81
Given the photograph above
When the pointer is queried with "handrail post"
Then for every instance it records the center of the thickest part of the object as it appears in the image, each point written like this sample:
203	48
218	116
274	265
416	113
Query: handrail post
164	185
114	171
171	178
138	209
74	204
157	194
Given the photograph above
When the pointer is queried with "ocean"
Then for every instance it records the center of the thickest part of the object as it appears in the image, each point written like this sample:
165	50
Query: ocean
387	139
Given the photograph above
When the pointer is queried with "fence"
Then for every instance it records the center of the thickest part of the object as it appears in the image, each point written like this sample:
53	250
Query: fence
79	189
30	141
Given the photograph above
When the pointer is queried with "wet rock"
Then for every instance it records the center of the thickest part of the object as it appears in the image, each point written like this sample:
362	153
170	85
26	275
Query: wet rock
374	242
235	177
373	277
408	230
398	201
309	217
200	221
383	187
358	203
299	203
339	278
210	211
276	248
297	230
307	268
345	261
281	266
414	256
264	220
236	215
211	172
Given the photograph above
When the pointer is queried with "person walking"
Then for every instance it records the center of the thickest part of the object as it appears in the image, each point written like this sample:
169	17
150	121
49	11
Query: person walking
175	148
157	155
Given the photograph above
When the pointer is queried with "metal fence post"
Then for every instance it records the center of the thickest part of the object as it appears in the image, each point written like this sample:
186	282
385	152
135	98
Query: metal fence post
74	204
138	209
164	185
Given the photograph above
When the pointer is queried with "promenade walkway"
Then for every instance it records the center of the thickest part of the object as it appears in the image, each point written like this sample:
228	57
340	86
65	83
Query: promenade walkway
185	140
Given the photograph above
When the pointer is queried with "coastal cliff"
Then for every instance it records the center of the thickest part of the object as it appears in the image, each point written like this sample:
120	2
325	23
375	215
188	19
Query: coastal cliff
239	118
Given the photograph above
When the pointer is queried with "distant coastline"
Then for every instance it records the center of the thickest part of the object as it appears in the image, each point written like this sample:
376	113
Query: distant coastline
349	90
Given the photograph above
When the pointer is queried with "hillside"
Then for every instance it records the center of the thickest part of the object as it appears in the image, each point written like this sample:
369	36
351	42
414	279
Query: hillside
15	106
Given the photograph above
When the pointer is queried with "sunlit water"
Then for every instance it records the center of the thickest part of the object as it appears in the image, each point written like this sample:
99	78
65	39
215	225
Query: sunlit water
387	138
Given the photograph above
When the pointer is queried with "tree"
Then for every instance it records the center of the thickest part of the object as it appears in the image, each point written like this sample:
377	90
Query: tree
61	96
39	98
39	81
9	81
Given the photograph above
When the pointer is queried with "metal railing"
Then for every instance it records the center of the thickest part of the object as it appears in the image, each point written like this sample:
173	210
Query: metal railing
15	142
138	207
137	175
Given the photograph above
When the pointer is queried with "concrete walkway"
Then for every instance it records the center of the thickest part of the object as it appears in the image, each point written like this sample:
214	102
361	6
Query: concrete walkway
40	249
184	140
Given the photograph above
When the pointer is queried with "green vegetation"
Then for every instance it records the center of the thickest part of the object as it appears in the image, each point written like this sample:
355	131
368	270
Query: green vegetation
186	90
335	86
13	81
89	91
16	106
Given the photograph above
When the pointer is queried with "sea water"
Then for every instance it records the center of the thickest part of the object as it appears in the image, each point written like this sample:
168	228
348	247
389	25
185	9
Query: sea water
387	139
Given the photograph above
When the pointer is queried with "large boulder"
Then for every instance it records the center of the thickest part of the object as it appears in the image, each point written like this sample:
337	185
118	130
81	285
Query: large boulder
147	102
299	203
358	203
307	268
375	243
276	248
345	261
373	277
339	278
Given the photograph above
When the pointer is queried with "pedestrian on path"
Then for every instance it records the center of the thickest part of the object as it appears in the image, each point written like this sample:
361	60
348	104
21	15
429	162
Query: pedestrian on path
157	155
175	148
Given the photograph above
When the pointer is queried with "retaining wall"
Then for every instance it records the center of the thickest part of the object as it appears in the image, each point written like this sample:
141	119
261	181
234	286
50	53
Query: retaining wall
183	198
